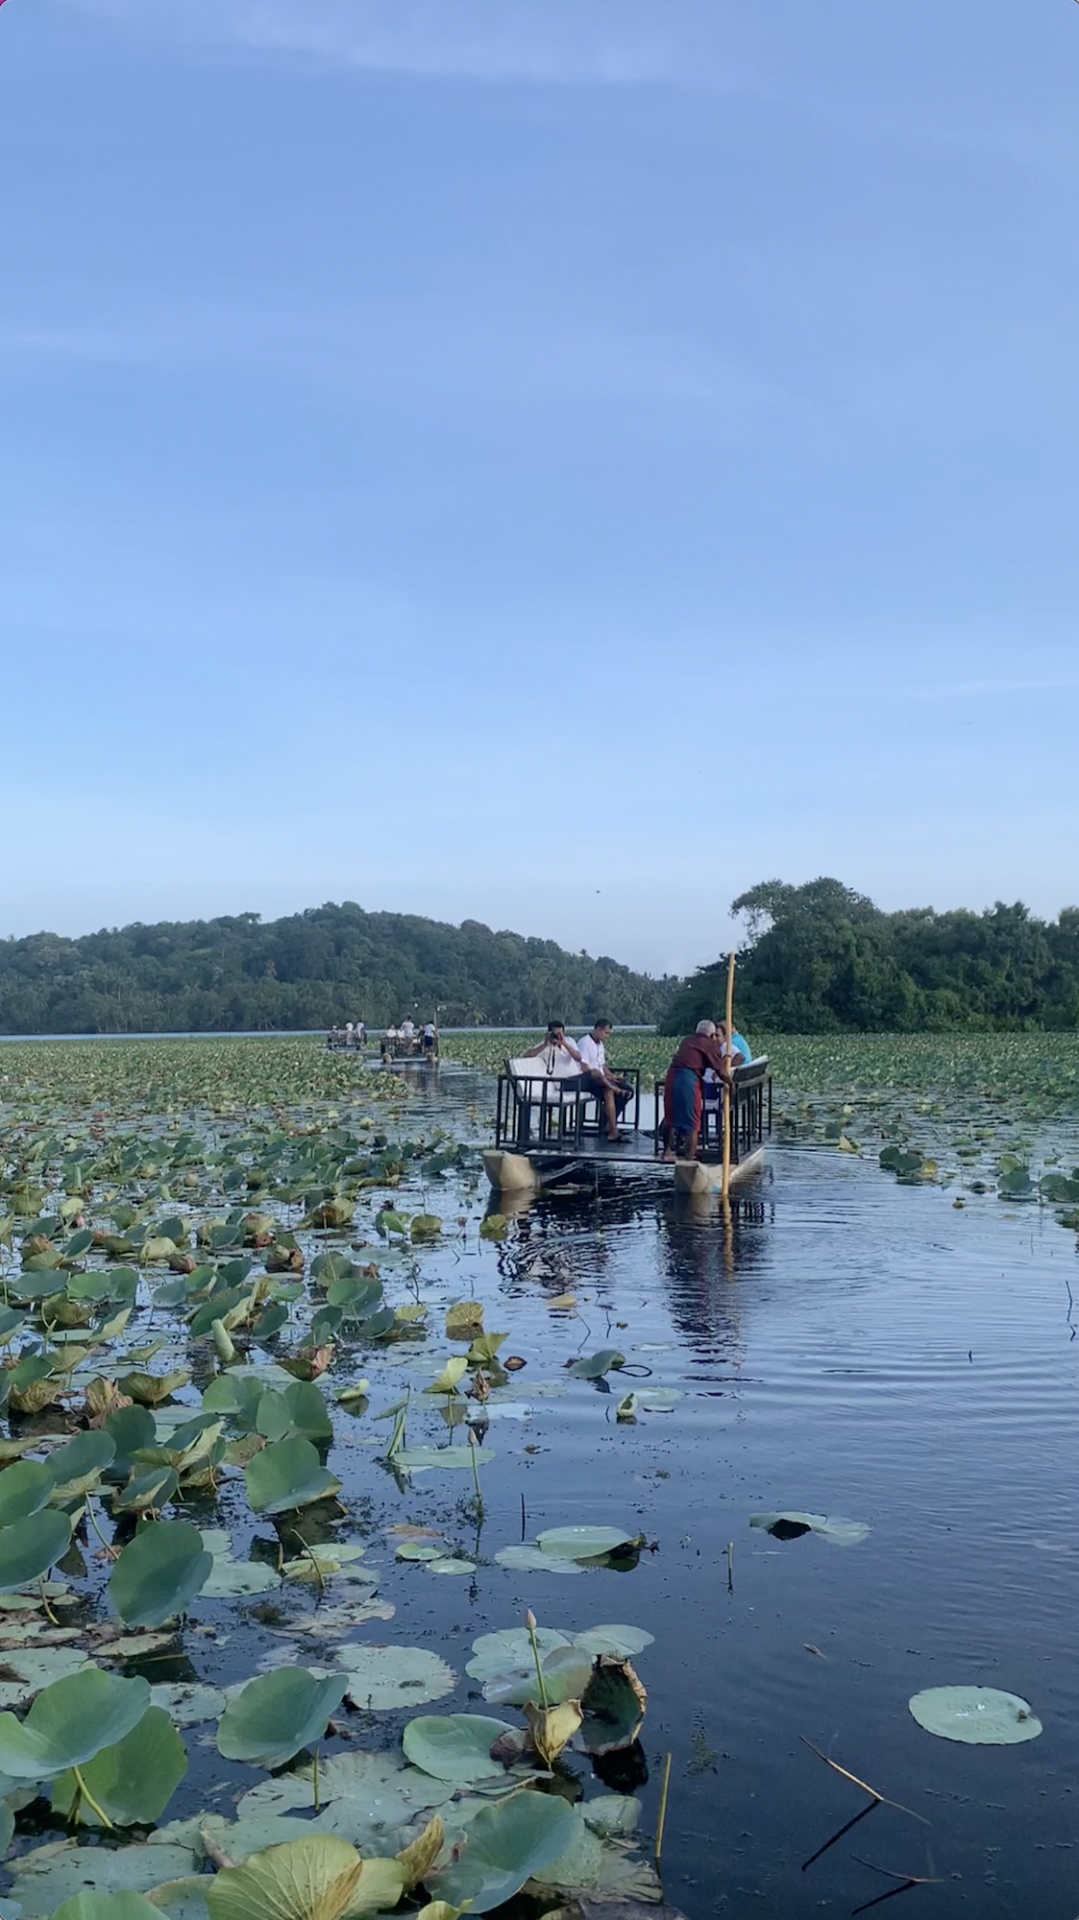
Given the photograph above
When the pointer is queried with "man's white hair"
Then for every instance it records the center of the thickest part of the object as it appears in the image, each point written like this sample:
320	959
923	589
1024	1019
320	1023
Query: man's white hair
707	1027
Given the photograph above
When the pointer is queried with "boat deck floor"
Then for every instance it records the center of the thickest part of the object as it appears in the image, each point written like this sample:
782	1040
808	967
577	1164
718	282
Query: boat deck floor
637	1151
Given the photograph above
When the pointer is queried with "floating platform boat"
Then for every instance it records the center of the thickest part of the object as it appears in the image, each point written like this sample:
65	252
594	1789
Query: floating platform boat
549	1129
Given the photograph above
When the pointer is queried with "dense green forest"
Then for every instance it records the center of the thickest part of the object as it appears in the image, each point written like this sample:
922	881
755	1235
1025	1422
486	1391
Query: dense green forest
822	958
327	964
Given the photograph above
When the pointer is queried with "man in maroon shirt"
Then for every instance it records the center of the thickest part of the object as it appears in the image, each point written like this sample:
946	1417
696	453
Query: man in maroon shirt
682	1089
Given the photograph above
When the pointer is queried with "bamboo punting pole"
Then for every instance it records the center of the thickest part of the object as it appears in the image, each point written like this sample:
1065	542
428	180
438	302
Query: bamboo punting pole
727	1082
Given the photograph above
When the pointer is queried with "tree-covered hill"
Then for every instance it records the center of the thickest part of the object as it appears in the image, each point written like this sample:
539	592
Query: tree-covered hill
822	958
327	964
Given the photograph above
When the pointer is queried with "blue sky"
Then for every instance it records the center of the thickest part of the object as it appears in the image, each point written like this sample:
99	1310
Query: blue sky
556	462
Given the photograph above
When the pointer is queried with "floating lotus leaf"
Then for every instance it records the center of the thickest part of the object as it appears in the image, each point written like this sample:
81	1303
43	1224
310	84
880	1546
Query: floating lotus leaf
526	1559
60	1871
107	1906
496	1654
24	1489
388	1677
583	1542
464	1320
455	1746
448	1564
78	1466
624	1643
505	1845
277	1714
790	1526
977	1716
592	1366
159	1572
132	1781
416	1550
425	1459
372	1792
230	1578
69	1722
287	1474
188	1704
30	1547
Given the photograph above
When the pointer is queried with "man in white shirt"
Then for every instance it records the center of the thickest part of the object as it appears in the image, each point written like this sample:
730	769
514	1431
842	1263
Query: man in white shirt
597	1077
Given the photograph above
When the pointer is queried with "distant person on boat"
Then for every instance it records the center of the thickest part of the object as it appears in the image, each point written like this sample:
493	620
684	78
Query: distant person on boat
389	1041
361	1034
683	1091
554	1048
407	1030
348	1033
597	1078
430	1040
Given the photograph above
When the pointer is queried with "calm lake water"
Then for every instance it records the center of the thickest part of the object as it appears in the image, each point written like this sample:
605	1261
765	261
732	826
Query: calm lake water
850	1347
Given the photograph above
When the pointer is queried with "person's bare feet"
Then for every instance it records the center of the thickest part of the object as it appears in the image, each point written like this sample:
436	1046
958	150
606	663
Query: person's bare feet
668	1155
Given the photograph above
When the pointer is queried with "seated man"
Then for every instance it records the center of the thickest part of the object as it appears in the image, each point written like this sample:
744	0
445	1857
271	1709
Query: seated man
555	1048
682	1092
597	1077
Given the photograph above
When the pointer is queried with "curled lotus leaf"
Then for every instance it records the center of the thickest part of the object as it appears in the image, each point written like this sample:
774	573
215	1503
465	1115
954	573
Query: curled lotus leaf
505	1845
69	1722
131	1781
277	1714
287	1474
159	1572
77	1467
29	1547
24	1489
310	1879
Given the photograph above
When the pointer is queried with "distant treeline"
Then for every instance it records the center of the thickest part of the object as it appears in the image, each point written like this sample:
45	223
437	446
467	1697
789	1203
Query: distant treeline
822	958
327	964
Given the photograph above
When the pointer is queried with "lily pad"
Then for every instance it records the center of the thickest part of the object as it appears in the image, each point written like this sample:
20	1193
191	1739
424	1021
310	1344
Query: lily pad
592	1366
977	1716
385	1678
583	1542
528	1559
423	1459
455	1746
61	1870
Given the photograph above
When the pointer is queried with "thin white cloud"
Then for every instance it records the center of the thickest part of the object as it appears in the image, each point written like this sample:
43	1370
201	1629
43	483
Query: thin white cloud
542	42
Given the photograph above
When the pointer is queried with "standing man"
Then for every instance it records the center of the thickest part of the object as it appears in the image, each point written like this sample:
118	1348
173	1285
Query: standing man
682	1088
597	1078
